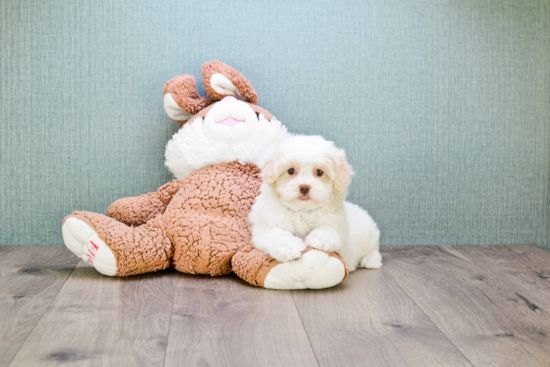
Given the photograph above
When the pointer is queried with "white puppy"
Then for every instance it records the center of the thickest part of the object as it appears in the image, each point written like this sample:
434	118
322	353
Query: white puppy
302	203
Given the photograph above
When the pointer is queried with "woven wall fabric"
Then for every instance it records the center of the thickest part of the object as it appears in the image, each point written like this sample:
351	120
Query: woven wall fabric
442	106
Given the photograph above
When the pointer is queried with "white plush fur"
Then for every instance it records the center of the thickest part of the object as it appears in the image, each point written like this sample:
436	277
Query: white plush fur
204	142
285	219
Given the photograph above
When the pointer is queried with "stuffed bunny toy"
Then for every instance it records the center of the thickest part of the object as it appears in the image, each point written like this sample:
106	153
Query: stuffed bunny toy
198	222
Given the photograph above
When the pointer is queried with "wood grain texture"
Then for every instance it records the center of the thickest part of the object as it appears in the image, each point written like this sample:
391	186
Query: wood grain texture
224	322
535	257
530	282
368	320
101	321
479	312
30	278
428	306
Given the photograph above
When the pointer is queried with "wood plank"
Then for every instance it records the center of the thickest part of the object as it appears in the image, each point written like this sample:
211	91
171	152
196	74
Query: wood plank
102	321
368	320
224	321
506	264
478	311
535	257
30	278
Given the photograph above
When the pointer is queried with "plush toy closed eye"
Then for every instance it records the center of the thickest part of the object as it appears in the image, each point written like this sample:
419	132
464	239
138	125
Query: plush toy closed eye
198	222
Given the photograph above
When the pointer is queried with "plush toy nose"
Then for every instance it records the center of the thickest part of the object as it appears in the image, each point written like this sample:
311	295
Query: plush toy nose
304	189
229	99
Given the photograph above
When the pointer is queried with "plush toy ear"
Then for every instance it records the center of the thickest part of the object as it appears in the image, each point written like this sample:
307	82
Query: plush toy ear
222	80
181	100
342	171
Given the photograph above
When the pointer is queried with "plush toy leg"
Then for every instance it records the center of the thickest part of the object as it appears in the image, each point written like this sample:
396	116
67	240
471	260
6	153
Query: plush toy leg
313	270
135	211
84	242
98	240
205	244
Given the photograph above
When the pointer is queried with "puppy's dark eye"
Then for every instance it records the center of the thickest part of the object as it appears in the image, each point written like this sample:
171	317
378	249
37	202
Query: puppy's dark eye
319	173
291	171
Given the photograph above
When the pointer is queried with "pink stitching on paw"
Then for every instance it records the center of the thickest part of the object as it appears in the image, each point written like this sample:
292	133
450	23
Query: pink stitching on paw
90	256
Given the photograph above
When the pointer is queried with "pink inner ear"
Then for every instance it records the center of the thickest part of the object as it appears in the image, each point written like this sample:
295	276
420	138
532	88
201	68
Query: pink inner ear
230	122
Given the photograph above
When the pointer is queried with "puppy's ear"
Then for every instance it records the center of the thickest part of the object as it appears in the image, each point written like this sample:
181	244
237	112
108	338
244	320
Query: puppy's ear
342	171
269	171
222	80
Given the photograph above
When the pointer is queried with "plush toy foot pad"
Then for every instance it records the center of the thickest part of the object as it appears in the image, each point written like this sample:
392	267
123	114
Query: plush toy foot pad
313	270
84	242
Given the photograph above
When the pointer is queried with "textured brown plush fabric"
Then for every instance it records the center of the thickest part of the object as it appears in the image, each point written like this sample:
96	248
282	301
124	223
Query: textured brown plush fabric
138	250
243	86
198	225
252	265
184	91
135	211
201	114
207	219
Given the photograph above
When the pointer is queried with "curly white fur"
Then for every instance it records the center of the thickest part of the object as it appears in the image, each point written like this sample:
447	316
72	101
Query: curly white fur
302	203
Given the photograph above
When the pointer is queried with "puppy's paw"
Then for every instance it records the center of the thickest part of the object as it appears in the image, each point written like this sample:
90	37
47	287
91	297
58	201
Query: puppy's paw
372	260
325	239
288	250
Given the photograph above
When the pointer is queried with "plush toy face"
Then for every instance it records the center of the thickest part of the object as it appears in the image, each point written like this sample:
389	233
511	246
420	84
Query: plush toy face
230	119
226	127
182	103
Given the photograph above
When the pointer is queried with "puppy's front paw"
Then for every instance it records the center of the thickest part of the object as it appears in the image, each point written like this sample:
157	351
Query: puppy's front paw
288	250
325	239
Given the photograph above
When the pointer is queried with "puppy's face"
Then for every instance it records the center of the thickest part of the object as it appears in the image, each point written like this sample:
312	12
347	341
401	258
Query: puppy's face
306	172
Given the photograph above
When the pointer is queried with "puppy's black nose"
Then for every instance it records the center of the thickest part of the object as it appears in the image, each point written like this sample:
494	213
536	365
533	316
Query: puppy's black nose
304	189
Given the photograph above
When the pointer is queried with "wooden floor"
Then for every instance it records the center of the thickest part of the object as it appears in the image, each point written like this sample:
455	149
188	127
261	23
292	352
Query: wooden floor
428	306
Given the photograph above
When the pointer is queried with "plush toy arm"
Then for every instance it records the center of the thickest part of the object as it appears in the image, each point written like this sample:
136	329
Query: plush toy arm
137	210
314	269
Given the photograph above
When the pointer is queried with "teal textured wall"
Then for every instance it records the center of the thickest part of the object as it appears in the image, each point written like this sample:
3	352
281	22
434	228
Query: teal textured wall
442	106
